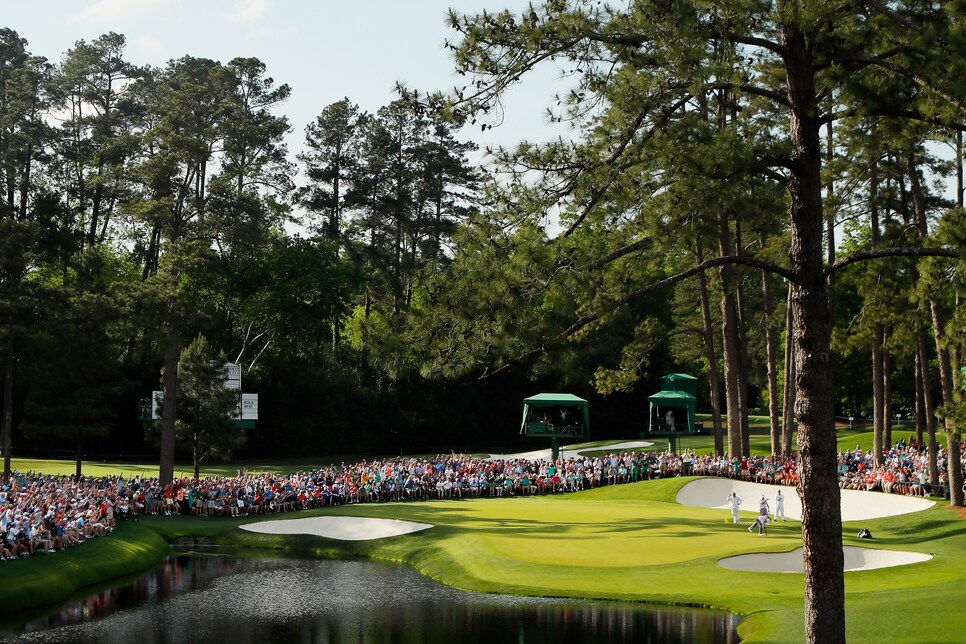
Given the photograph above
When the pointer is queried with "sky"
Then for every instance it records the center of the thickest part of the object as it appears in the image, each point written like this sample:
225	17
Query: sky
324	50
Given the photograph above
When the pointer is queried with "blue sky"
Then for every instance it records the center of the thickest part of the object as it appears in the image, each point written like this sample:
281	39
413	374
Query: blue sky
325	50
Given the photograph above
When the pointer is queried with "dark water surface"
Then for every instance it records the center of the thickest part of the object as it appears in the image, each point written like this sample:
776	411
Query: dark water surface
206	598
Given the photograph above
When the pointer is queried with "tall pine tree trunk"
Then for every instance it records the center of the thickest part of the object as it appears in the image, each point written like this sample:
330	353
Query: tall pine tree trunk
788	403
945	370
920	404
732	365
954	474
812	330
830	218
743	371
878	364
78	456
172	352
887	441
709	349
928	407
959	169
878	424
731	353
771	357
6	432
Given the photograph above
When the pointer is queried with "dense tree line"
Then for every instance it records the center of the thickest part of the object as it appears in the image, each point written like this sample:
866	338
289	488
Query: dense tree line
144	209
795	159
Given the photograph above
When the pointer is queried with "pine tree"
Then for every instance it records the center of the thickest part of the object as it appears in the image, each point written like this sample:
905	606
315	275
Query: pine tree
206	407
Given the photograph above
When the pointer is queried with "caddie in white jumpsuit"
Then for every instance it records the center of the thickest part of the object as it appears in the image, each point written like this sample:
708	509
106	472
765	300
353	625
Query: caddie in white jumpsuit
735	503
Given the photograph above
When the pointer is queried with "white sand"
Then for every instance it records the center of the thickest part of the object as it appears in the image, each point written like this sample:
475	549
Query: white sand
343	528
855	559
570	450
856	505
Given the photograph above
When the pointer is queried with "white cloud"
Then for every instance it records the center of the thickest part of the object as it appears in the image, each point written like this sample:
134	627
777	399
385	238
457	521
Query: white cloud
148	44
248	10
115	10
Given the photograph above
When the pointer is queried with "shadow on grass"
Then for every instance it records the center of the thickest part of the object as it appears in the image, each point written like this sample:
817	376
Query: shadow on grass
931	529
449	517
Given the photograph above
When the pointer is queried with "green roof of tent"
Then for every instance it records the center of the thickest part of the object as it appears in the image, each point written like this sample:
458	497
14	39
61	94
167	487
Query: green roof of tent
547	400
680	382
671	395
676	399
546	426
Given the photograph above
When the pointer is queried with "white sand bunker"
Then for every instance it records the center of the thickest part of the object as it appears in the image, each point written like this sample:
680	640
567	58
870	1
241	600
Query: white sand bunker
856	505
343	528
855	559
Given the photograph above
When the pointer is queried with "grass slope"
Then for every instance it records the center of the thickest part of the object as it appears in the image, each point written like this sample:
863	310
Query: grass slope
50	579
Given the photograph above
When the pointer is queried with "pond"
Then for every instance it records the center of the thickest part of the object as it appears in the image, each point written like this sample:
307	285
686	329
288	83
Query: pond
218	598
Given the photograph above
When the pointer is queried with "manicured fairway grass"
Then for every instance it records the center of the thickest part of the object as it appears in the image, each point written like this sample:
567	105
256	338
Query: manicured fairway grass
630	542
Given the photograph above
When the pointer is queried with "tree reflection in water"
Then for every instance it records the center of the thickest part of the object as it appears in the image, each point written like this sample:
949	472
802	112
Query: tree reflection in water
201	598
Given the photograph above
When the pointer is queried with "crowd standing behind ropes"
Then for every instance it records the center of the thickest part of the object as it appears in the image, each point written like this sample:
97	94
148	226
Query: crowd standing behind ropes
44	514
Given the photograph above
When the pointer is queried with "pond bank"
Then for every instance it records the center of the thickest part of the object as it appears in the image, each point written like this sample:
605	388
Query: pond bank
47	579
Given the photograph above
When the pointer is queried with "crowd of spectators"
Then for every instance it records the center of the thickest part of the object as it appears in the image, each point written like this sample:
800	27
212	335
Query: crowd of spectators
904	470
44	514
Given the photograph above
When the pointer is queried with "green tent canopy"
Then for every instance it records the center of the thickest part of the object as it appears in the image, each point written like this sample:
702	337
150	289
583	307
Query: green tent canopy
555	415
680	382
664	402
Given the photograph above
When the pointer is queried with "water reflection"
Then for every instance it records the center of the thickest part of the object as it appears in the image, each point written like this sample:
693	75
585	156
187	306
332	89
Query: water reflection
198	598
